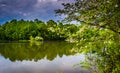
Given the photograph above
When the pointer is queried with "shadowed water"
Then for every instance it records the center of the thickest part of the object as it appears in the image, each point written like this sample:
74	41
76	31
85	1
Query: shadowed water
40	57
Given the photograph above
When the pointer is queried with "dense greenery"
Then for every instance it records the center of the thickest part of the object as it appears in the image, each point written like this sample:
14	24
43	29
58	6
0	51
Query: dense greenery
99	33
35	50
104	46
36	30
100	13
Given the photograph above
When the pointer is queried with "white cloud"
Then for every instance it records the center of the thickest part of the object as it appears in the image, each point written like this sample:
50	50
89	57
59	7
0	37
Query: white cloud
46	0
44	3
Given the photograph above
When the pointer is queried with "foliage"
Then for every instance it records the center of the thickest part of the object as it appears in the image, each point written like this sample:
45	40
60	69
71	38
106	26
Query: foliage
1	33
100	13
99	32
35	30
37	38
103	44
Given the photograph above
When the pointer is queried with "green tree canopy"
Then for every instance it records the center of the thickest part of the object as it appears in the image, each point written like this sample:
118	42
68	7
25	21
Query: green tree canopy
36	29
101	13
100	34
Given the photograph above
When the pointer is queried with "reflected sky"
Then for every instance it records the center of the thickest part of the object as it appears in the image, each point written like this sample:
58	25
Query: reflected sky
46	57
66	64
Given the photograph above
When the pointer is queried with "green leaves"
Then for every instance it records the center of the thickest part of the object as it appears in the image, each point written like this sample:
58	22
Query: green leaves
23	30
100	13
102	43
100	31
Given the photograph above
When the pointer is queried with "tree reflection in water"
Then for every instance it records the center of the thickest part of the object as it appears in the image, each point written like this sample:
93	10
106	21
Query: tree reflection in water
35	50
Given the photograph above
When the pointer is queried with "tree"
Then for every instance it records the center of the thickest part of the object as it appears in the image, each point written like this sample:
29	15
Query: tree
2	33
51	23
23	30
100	34
100	13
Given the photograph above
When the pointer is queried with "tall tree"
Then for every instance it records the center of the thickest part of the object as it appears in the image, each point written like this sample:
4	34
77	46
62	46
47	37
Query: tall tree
105	42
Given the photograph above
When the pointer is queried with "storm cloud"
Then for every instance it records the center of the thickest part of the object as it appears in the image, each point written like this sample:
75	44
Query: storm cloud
29	9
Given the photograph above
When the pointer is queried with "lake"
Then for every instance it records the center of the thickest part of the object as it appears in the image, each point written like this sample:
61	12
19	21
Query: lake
40	57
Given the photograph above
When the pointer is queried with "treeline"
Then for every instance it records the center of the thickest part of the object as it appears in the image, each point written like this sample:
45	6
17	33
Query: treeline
36	30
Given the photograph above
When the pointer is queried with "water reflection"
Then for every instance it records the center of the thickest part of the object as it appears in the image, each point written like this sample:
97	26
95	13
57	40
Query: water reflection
35	50
39	57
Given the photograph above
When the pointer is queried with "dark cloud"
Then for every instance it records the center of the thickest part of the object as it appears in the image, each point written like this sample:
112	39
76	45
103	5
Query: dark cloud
29	9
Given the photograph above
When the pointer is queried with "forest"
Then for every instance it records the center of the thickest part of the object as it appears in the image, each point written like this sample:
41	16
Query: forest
38	30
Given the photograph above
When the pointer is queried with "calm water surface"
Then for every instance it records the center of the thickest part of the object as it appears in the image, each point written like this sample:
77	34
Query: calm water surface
40	57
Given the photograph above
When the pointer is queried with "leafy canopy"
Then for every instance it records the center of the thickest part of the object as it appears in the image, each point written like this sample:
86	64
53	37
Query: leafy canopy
101	13
100	34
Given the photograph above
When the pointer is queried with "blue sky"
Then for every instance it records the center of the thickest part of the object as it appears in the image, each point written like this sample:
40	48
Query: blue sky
30	9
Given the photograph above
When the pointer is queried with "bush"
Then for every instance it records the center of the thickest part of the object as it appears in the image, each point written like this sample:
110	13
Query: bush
38	38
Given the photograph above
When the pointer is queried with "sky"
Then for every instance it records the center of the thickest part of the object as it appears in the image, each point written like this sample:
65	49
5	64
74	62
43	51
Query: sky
30	9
